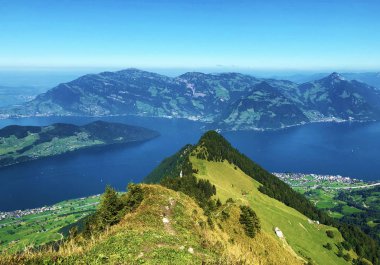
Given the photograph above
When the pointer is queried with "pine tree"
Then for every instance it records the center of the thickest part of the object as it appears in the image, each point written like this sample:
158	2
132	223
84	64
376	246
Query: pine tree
110	205
251	222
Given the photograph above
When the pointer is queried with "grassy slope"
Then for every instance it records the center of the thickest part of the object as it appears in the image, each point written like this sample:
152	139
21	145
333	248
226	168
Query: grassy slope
305	239
142	237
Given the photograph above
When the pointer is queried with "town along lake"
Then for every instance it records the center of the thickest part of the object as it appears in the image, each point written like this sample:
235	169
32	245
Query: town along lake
348	149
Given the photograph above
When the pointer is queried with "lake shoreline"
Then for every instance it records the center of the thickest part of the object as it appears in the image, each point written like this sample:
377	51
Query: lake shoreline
98	147
206	123
329	148
350	183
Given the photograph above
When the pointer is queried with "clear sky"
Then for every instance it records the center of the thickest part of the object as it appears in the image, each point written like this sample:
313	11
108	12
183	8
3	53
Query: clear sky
268	35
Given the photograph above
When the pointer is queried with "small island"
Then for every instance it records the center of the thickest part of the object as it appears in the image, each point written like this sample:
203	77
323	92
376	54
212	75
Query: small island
24	143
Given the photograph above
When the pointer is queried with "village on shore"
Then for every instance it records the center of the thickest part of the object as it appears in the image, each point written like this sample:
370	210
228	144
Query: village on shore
22	213
316	180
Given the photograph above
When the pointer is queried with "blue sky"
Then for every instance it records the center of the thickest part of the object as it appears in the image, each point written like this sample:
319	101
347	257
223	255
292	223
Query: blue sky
270	35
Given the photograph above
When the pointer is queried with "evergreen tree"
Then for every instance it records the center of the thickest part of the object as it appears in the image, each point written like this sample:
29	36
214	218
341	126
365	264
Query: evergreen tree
110	206
249	219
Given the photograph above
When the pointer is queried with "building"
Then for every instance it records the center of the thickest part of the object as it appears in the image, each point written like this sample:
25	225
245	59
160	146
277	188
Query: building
279	232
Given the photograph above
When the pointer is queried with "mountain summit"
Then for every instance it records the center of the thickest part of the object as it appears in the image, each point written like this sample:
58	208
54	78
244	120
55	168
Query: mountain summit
336	77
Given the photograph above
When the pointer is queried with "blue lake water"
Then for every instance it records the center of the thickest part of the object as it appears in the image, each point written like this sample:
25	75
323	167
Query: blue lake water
348	149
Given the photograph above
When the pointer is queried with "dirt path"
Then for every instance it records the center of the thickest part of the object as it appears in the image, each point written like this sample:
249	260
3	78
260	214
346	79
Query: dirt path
225	207
167	216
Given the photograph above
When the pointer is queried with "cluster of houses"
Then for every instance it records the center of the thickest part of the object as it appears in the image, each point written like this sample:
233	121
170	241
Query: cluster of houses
21	213
300	178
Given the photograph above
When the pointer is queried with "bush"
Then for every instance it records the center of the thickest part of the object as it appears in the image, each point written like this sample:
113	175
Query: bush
347	257
230	200
328	246
225	215
330	233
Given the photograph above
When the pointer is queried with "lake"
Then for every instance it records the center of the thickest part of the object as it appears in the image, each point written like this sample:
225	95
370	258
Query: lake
348	149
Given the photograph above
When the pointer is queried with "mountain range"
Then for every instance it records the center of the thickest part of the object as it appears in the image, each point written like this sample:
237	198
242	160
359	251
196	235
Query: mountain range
370	78
229	101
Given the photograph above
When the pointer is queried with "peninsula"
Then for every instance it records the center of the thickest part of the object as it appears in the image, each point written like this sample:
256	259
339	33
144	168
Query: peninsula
24	143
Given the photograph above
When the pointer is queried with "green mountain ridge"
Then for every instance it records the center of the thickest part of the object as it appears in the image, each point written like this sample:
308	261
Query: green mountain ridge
213	206
214	151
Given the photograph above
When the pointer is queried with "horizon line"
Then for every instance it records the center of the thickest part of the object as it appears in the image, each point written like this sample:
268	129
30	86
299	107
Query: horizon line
215	69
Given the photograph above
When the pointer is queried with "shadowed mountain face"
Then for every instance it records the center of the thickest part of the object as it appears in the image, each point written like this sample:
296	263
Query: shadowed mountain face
227	100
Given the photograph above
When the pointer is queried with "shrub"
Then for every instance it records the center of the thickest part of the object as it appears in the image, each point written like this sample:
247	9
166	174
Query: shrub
347	257
225	215
330	233
328	246
230	200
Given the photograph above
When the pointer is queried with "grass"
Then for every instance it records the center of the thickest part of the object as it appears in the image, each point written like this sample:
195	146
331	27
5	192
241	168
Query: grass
37	229
335	214
305	239
12	144
142	238
349	210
